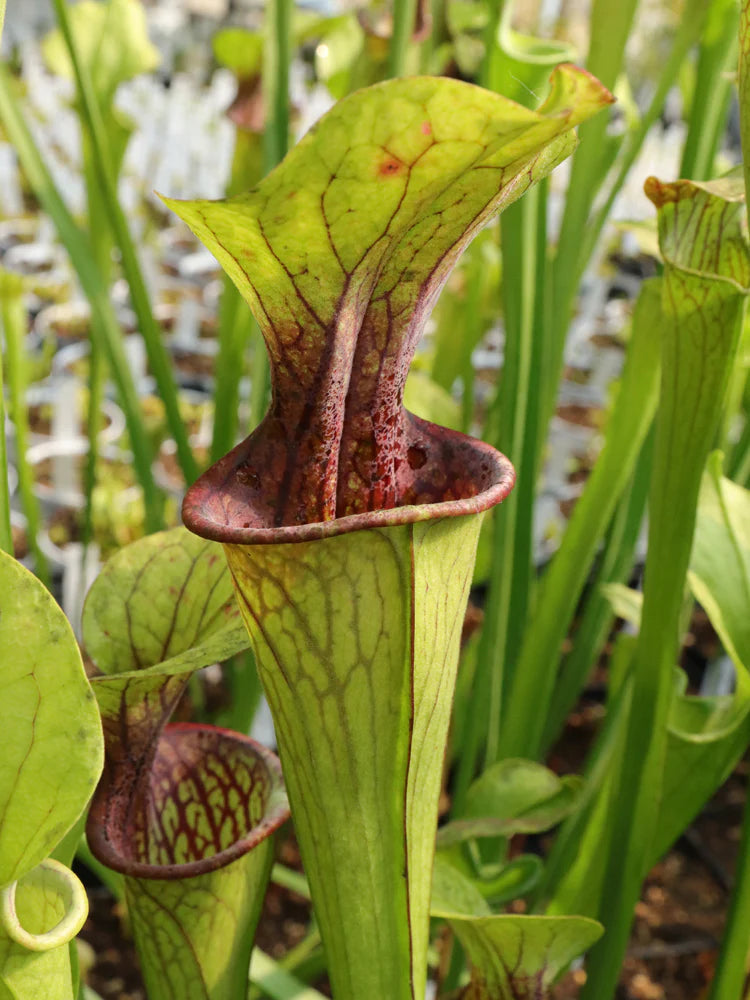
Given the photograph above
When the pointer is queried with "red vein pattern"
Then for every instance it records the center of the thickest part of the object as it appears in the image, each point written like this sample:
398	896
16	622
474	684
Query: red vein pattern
341	253
197	799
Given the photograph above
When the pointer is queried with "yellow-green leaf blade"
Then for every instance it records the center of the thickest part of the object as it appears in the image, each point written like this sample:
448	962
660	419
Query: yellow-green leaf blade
52	742
111	38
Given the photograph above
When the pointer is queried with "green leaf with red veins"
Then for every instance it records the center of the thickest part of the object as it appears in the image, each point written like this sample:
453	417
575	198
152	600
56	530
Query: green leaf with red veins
157	599
192	832
341	252
160	609
356	641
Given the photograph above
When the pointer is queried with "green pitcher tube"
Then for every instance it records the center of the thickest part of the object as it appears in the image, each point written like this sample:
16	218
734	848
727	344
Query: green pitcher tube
355	625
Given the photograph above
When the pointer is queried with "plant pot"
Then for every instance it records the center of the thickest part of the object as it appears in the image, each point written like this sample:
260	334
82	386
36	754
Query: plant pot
58	467
19	534
49	402
33	258
73	568
187	322
167	473
66	322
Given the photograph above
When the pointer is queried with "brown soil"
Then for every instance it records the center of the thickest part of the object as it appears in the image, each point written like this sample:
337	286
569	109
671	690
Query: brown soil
20	541
118	471
64	526
40	420
170	464
191	363
72	328
583	416
208	329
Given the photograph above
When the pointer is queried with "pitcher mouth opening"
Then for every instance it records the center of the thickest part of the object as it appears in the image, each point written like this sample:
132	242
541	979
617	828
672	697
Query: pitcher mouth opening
125	822
446	474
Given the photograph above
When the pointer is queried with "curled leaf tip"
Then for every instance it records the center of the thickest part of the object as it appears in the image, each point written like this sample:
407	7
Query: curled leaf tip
729	188
52	881
662	193
703	230
575	94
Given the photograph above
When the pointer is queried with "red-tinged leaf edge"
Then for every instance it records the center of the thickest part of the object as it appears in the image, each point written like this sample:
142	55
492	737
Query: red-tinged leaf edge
444	474
158	821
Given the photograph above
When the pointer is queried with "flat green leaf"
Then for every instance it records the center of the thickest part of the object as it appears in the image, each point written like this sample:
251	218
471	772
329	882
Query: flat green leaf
239	50
626	602
513	796
719	573
341	252
457	889
454	892
52	739
430	401
162	608
518	957
112	41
